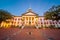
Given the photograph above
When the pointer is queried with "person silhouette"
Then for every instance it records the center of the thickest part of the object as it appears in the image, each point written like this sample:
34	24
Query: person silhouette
29	33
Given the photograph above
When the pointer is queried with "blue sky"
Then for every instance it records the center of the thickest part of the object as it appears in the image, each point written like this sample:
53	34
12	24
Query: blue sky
18	7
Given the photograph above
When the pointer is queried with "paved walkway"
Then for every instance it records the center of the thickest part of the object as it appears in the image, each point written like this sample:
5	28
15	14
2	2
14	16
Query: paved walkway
29	34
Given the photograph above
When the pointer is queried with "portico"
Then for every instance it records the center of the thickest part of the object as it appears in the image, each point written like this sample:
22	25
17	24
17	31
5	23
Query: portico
29	18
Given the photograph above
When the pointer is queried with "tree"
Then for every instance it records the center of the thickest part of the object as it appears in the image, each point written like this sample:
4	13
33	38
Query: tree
4	15
53	13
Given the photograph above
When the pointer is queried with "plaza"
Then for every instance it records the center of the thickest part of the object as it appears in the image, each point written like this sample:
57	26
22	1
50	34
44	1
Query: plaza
24	34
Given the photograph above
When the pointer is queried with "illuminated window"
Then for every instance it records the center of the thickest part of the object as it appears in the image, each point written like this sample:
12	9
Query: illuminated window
44	19
26	22
19	19
23	18
18	22
47	22
26	18
40	19
44	22
32	18
12	22
29	18
33	22
15	19
41	23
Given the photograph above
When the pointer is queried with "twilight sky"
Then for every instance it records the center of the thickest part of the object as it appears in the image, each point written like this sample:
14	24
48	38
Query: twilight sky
18	7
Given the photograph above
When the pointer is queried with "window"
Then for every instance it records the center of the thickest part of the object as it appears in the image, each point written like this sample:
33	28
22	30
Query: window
50	22
59	22
12	22
29	18
41	23
18	22
44	22
33	22
26	18
15	19
40	19
32	18
23	18
53	22
47	22
19	19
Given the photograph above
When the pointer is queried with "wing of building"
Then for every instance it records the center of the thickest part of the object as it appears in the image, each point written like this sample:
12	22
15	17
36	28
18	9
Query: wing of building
29	18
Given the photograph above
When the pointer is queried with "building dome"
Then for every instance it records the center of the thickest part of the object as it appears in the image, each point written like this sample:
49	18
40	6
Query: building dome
29	10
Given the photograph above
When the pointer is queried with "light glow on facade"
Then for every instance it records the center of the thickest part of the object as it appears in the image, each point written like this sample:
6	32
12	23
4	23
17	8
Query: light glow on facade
29	19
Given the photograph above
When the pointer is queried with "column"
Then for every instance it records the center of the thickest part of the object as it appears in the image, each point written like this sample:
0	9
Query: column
34	20
28	20
25	20
31	20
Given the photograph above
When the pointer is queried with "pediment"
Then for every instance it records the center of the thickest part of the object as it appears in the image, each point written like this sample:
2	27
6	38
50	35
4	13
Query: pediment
30	14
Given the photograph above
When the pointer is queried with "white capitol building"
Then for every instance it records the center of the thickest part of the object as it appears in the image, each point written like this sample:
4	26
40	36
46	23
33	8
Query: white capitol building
30	18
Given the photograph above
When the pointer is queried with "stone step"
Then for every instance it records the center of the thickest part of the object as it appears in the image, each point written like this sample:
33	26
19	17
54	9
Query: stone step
29	27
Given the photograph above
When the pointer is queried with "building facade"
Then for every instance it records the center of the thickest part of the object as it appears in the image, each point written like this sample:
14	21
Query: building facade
30	18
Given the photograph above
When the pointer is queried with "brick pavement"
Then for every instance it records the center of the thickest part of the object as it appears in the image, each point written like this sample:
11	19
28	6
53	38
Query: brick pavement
29	34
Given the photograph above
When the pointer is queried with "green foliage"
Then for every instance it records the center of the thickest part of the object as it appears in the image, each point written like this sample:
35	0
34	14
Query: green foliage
53	13
4	15
58	27
51	26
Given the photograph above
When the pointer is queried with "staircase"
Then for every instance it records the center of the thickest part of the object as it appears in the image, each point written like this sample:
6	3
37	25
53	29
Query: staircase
30	27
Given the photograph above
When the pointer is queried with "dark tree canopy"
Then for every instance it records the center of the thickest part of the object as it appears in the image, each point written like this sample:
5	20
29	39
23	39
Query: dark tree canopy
4	15
53	13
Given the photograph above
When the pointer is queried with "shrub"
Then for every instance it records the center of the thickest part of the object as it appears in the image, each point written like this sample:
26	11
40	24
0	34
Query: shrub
51	26
58	27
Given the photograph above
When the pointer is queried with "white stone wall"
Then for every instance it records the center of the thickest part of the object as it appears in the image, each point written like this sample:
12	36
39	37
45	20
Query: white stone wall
42	21
17	21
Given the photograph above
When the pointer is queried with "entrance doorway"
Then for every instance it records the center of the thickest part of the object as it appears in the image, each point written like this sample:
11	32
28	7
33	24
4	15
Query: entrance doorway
29	22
